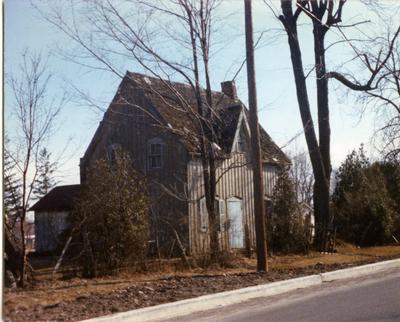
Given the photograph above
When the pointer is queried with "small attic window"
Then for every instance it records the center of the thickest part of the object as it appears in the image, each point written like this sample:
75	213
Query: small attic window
241	145
155	154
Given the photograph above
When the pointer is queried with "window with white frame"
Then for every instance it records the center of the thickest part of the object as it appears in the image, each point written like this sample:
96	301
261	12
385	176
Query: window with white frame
203	214
155	154
219	208
241	145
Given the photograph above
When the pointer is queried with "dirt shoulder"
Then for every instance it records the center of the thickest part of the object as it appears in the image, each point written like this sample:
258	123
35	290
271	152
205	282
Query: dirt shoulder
78	299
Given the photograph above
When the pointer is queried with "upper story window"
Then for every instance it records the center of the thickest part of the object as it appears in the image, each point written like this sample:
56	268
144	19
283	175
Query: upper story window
139	115
155	153
241	142
112	151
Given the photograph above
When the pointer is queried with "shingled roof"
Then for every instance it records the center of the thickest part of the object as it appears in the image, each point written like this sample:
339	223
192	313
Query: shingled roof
173	103
60	198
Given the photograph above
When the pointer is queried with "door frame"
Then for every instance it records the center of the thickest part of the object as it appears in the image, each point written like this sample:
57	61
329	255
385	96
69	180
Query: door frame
239	200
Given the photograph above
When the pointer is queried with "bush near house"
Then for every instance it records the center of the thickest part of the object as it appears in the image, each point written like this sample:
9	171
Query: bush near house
365	212
391	173
287	230
111	217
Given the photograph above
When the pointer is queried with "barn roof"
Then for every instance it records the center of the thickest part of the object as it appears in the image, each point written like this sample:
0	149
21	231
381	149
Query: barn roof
60	198
173	103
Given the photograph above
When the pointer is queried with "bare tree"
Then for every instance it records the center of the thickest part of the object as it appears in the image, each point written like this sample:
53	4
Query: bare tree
325	15
131	31
382	54
302	176
34	116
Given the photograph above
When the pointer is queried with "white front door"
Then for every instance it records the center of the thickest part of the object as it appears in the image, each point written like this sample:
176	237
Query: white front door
235	215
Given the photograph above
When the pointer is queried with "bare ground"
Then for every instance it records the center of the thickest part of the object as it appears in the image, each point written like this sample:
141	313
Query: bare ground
77	299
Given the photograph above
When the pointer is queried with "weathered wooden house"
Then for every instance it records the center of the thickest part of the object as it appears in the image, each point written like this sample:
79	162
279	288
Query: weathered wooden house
152	120
51	214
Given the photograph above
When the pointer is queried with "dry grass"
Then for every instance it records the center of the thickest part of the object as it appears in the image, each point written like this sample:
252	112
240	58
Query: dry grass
49	291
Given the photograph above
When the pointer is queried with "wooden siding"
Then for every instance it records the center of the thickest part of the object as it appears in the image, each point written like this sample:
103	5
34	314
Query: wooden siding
236	180
270	174
132	130
48	228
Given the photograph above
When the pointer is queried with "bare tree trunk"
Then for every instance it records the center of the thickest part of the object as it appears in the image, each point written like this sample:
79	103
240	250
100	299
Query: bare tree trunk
213	213
22	220
13	253
23	255
321	187
322	192
207	155
259	211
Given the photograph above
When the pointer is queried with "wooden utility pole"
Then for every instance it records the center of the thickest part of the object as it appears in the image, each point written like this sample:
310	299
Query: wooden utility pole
259	212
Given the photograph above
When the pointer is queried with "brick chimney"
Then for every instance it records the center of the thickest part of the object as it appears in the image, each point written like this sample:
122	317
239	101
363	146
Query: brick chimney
229	89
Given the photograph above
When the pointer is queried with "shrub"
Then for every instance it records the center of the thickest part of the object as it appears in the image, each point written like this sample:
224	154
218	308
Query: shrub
286	227
362	205
112	216
391	173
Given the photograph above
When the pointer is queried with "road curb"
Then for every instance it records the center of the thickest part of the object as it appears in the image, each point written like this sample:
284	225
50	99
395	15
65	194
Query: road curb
359	271
218	300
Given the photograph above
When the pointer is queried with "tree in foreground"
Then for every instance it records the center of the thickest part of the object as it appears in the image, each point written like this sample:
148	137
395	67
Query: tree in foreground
363	209
34	115
325	15
112	217
287	228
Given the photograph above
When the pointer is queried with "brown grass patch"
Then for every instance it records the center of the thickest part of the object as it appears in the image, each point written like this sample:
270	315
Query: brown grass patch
48	291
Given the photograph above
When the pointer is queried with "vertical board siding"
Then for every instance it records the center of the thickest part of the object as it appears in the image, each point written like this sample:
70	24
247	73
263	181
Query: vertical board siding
166	185
270	175
48	228
236	181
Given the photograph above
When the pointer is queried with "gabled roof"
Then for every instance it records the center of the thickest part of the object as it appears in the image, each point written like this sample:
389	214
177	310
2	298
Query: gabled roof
170	102
60	198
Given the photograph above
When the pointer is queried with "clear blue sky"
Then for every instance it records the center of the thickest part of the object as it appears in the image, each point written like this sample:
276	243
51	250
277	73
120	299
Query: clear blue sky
279	113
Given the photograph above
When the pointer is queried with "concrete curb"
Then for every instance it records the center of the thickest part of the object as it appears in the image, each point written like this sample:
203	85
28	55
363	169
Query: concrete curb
217	300
359	271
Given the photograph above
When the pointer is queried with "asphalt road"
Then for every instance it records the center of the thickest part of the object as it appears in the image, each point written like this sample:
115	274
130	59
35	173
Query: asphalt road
375	298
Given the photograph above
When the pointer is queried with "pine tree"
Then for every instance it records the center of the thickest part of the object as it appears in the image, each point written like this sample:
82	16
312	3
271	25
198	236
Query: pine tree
12	193
286	226
362	205
45	180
